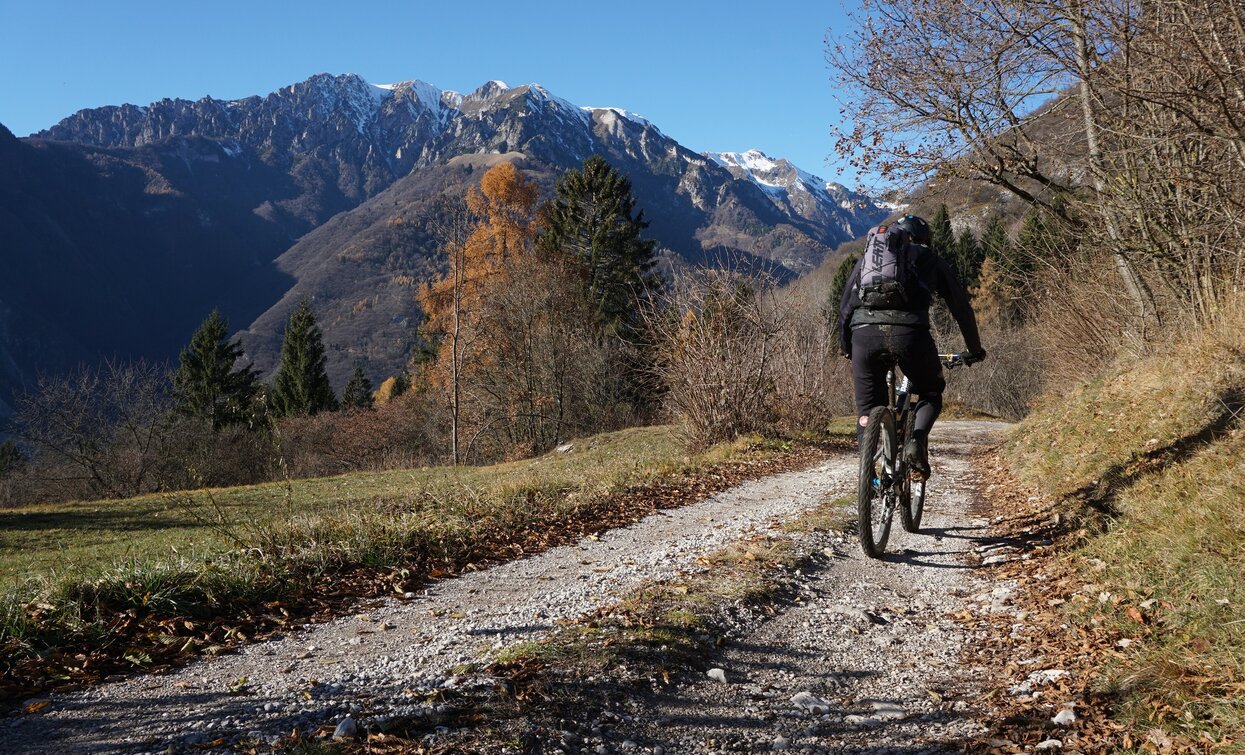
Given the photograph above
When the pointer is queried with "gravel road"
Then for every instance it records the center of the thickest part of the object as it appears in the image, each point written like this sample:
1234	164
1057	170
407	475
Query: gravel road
867	660
870	639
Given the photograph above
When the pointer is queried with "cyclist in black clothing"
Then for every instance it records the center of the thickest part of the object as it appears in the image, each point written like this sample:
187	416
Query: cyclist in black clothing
877	339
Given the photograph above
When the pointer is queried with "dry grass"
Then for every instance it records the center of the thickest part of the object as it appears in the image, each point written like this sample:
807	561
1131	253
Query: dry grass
1159	445
1136	412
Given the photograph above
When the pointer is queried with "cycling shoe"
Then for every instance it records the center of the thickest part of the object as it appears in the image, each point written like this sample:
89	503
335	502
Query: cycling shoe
915	455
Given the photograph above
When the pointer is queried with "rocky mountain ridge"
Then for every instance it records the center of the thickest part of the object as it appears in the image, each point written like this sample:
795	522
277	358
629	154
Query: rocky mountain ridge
260	178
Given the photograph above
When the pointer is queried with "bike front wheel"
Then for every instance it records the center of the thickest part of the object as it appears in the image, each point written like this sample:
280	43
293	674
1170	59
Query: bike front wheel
914	505
874	503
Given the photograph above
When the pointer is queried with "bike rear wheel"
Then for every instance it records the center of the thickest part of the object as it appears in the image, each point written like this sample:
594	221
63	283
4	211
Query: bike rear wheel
913	506
875	498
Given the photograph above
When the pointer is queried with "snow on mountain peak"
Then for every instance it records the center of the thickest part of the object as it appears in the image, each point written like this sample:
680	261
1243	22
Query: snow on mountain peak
751	161
627	114
781	179
347	93
489	89
434	99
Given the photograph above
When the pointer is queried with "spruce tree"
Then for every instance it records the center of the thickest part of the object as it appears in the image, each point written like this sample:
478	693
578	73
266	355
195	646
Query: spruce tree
841	274
968	257
207	384
302	383
994	240
942	238
592	222
1041	236
358	393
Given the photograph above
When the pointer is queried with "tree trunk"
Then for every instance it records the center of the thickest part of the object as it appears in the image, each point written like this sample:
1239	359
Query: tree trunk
1134	285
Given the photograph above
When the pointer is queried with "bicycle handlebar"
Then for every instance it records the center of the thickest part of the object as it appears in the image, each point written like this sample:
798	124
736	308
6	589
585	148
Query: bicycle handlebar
962	359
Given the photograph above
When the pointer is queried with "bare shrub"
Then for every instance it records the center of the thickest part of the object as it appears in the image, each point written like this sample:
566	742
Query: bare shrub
1006	384
95	433
811	382
1079	314
717	333
193	455
405	431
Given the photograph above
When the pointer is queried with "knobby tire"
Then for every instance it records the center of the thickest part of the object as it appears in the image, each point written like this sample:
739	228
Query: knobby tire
912	506
875	457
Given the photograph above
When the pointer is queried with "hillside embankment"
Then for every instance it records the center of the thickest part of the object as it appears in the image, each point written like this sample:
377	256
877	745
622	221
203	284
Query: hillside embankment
1142	473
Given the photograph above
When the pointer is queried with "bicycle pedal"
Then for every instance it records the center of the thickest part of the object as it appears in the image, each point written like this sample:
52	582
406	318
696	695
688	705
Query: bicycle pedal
917	476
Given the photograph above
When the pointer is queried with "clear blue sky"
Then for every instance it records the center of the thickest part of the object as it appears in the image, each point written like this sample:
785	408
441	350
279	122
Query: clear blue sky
723	76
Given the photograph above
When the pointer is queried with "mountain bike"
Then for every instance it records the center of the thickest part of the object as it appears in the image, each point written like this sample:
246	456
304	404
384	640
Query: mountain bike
886	482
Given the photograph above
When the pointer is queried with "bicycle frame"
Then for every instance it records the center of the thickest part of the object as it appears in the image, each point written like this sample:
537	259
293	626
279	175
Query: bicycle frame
885	482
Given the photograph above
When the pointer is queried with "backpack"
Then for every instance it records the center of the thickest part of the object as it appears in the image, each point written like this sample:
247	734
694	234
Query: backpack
887	278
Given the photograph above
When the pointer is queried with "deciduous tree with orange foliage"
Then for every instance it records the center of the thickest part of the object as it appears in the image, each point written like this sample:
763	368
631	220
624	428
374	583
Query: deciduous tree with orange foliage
520	355
495	225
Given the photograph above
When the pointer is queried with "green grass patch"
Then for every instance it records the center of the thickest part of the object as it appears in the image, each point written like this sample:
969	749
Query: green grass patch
75	539
1181	543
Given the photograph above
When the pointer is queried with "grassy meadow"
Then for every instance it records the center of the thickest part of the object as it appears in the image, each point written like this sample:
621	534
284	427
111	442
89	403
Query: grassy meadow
80	538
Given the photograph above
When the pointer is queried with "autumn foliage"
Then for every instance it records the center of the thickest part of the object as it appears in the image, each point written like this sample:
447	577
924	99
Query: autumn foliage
521	361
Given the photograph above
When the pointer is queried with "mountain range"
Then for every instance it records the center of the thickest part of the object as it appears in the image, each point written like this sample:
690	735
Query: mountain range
122	227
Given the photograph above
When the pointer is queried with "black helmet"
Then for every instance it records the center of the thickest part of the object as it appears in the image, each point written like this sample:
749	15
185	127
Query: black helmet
915	227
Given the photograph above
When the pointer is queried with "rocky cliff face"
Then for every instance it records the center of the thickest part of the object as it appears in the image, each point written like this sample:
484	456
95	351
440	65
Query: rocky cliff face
342	140
294	185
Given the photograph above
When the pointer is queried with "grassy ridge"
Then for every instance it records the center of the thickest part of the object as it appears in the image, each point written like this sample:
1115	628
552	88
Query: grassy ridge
1158	449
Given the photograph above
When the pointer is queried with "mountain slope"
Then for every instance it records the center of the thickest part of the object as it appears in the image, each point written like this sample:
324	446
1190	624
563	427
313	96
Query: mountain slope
260	178
105	255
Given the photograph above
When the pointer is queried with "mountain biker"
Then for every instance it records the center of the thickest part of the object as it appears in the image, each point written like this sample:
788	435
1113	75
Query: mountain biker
892	329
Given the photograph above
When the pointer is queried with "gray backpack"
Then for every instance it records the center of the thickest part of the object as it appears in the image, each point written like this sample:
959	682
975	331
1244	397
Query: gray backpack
887	279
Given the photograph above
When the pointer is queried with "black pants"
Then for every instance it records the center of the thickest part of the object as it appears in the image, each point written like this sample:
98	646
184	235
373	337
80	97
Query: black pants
877	348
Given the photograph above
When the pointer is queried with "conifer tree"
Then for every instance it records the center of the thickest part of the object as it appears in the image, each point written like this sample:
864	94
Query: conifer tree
942	238
994	240
1041	236
302	383
968	257
479	254
592	222
358	393
207	384
994	299
392	387
841	274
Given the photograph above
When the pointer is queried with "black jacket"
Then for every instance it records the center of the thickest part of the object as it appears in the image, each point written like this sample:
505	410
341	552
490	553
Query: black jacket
935	277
